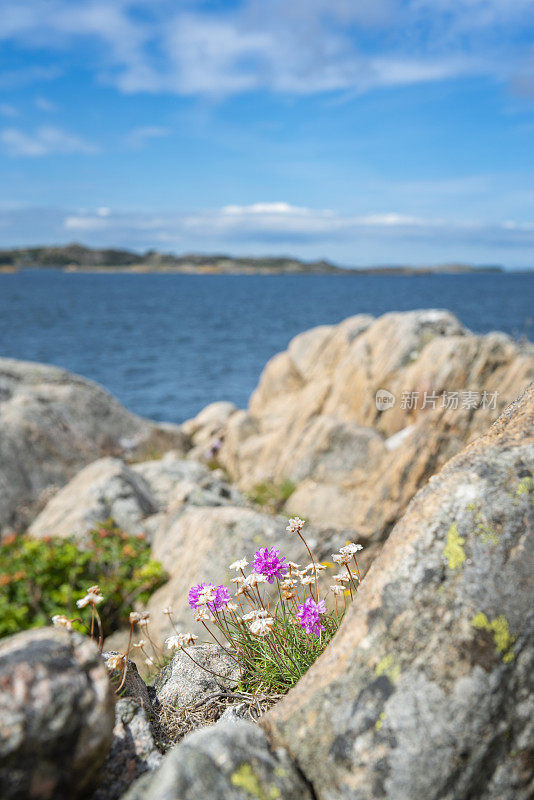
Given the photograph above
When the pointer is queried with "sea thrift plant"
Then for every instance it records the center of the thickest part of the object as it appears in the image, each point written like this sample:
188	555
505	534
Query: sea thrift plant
274	639
274	627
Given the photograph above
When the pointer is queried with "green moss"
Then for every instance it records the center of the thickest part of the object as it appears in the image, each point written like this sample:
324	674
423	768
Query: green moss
380	721
272	495
454	551
387	666
244	778
500	631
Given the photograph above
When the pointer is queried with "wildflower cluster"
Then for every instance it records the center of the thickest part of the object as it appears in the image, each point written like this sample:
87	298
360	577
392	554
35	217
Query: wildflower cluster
273	640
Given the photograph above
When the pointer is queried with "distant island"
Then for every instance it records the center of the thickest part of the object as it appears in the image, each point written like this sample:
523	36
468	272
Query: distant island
78	258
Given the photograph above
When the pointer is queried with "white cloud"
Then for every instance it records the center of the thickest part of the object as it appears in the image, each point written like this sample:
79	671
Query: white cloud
302	47
282	222
44	141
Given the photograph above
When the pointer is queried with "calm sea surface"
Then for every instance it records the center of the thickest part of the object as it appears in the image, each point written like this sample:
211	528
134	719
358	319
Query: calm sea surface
167	345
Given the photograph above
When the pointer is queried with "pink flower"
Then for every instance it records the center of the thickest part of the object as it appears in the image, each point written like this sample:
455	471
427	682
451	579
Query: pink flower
222	596
269	563
308	615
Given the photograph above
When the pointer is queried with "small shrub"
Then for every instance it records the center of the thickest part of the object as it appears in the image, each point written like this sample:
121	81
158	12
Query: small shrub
40	578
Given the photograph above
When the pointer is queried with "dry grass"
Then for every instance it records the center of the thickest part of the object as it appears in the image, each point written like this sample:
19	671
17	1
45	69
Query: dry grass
172	723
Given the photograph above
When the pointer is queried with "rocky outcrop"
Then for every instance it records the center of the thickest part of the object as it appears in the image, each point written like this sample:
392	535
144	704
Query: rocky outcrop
54	423
314	417
56	715
194	673
227	761
427	690
105	489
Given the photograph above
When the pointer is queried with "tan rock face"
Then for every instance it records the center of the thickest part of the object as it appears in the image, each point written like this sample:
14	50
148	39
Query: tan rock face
314	417
427	690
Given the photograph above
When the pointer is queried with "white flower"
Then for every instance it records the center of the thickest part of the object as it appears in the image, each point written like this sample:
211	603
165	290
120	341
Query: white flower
116	661
341	577
256	614
307	579
167	610
238	579
262	626
254	578
135	616
239	565
144	616
202	615
180	640
90	598
61	621
350	548
336	590
296	524
292	565
207	595
141	643
149	661
231	607
341	558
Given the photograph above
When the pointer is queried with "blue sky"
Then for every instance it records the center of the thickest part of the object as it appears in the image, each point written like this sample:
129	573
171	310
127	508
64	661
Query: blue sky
364	131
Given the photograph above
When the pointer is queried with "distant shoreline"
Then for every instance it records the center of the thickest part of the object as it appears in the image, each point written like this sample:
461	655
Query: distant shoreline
79	258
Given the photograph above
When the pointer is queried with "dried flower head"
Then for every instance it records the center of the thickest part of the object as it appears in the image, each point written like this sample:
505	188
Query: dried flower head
141	643
167	610
179	640
262	626
116	661
93	597
61	621
336	590
239	565
341	558
350	548
295	525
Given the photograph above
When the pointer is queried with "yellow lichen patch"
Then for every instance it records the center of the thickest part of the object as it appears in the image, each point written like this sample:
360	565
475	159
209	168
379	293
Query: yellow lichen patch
501	633
380	721
525	487
387	666
454	548
245	779
483	529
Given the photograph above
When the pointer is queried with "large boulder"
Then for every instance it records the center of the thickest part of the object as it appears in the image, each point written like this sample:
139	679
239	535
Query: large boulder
318	415
56	715
231	760
427	691
107	488
53	423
